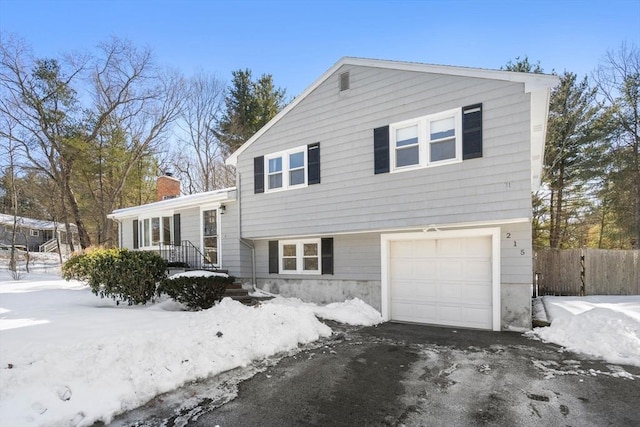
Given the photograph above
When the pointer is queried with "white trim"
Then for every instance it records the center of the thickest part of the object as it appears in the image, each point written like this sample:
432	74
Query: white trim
424	140
225	195
532	82
210	207
423	228
299	243
286	168
494	233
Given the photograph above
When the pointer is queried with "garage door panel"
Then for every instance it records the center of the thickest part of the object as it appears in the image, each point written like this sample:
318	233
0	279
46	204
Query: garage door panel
449	269
478	269
442	281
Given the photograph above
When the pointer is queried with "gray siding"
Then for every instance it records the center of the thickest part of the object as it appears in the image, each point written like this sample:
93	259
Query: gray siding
190	225
352	198
236	258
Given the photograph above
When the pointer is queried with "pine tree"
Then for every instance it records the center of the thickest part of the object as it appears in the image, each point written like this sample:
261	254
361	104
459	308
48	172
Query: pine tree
249	105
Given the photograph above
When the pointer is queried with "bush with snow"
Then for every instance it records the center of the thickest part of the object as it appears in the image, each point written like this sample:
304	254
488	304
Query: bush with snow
120	274
196	292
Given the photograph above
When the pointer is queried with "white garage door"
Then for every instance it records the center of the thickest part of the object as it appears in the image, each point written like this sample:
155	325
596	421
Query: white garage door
442	281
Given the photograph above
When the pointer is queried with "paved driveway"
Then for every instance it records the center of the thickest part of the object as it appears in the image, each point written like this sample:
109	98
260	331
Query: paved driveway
411	375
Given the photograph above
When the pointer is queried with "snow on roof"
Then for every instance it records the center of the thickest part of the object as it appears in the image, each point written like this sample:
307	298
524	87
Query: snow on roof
35	224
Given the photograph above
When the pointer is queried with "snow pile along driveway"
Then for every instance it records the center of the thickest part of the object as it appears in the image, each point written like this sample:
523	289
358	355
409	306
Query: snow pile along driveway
70	358
607	327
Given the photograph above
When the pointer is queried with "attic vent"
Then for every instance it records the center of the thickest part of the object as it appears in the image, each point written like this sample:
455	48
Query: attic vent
344	81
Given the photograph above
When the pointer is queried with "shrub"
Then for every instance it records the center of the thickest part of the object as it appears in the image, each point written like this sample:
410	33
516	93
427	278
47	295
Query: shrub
120	274
197	293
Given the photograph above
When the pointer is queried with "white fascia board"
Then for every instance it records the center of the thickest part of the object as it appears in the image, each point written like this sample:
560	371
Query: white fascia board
539	118
182	202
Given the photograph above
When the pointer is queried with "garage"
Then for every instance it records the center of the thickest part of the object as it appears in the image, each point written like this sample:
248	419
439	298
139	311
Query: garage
442	278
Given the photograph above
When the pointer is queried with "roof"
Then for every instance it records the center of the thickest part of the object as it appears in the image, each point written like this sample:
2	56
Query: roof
533	82
182	202
34	224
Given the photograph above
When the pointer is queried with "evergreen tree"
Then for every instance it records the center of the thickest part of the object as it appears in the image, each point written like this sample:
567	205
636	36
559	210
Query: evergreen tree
249	105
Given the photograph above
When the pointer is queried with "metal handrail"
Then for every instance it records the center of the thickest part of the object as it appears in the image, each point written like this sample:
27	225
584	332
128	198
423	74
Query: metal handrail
186	253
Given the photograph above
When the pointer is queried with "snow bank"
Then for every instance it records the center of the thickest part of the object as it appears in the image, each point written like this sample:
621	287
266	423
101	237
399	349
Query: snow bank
607	327
71	358
351	312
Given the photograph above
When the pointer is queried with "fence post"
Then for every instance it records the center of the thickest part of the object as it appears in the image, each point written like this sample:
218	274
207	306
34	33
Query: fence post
583	290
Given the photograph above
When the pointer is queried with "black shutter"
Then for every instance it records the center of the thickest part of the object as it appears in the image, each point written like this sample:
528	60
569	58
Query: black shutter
258	174
472	131
136	242
327	255
313	163
177	238
381	149
273	257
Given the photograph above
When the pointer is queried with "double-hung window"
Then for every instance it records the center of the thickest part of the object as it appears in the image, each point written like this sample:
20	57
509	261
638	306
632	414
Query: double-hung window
426	141
286	169
156	230
300	256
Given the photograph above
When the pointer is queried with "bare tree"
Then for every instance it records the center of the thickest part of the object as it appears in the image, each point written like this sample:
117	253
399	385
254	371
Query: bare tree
199	157
618	82
69	109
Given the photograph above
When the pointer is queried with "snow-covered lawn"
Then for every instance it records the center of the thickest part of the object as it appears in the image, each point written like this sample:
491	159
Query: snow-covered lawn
68	357
607	327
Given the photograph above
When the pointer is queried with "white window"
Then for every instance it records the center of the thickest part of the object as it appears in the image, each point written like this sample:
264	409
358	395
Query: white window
426	141
210	236
156	230
299	256
286	169
34	233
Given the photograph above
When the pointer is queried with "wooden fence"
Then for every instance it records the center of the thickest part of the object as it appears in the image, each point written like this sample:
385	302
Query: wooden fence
586	272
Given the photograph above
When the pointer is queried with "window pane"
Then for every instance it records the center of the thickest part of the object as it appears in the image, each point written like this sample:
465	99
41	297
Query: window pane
275	181
296	160
443	150
407	136
289	264
209	225
296	177
288	250
155	230
310	249
407	156
211	250
166	229
444	128
145	233
311	264
275	165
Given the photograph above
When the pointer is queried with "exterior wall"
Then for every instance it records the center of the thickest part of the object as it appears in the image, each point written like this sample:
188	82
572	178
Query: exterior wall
352	198
357	268
190	225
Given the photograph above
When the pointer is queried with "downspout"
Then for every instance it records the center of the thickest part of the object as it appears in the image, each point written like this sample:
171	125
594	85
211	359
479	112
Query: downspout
243	241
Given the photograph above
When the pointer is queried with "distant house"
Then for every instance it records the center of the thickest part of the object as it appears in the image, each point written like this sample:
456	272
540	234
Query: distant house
405	185
36	234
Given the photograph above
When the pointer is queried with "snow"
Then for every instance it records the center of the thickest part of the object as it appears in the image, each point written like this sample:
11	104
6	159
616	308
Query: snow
606	327
198	273
70	358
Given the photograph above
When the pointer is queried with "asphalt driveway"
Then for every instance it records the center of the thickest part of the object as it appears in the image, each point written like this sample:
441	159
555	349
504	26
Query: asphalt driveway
409	375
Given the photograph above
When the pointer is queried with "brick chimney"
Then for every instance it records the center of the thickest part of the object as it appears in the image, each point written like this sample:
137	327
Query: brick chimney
167	187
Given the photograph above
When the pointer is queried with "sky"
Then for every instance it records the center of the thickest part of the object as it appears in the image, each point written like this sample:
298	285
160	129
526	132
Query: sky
297	41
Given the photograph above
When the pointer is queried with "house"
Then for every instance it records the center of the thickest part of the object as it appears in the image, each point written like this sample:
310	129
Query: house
406	185
199	230
36	235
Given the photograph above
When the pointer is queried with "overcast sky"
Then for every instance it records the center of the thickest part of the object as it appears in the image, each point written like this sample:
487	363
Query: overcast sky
296	41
